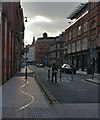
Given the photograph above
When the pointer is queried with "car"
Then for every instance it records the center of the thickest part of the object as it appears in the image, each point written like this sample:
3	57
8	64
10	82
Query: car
40	65
67	68
23	65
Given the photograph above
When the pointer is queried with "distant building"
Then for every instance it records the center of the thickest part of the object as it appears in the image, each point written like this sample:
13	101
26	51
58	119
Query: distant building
30	54
57	50
42	49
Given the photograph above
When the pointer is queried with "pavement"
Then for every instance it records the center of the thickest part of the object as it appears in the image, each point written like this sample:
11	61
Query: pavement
95	80
23	98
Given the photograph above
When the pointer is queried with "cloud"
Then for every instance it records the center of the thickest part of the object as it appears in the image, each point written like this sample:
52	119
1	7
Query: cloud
55	0
38	19
50	17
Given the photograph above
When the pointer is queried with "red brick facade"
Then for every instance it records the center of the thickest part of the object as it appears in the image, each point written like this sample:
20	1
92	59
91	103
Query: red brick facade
42	49
83	35
12	43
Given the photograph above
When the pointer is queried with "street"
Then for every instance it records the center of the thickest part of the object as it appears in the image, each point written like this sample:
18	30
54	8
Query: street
67	90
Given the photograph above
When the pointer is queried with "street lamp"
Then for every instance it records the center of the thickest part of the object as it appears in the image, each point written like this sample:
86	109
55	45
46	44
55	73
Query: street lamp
25	19
26	50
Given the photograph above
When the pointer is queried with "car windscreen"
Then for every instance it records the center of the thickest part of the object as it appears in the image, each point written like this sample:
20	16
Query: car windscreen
68	66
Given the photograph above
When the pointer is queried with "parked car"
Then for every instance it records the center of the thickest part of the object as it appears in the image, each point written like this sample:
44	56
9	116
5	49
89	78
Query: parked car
23	65
40	65
67	68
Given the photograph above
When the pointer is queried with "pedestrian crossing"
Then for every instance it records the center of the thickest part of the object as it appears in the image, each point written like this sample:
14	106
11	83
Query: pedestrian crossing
68	79
61	77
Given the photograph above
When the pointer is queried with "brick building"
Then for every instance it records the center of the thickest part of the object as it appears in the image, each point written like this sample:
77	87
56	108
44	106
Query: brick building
82	37
0	43
76	37
57	50
94	33
42	49
12	38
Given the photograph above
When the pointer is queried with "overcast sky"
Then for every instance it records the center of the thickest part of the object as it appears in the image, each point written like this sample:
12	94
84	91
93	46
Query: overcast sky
50	17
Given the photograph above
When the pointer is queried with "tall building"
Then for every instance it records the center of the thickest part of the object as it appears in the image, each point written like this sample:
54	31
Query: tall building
82	37
0	42
12	38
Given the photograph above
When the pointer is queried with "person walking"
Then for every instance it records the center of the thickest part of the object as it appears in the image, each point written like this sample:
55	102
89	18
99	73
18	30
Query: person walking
54	73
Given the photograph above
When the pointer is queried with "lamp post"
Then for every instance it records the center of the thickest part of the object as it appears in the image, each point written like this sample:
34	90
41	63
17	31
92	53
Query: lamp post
25	19
26	50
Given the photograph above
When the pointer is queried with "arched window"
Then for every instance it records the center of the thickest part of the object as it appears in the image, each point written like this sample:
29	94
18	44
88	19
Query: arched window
93	33
93	28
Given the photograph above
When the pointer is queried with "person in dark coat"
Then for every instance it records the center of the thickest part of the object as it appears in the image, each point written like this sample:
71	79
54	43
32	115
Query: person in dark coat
54	72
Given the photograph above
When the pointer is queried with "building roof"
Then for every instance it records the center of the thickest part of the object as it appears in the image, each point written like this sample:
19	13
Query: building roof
80	8
41	38
77	20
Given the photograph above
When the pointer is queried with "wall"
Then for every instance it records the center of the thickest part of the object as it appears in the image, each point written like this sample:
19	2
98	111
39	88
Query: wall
0	44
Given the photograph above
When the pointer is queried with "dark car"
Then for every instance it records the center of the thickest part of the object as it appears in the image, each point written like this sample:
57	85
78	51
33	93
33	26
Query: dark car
67	68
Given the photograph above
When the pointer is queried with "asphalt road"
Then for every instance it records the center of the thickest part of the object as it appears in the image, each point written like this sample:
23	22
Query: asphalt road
67	90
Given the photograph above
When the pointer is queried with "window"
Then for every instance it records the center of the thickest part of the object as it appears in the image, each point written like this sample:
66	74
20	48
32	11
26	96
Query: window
74	33
73	47
93	4
92	42
69	35
78	45
69	48
79	30
85	26
85	43
93	28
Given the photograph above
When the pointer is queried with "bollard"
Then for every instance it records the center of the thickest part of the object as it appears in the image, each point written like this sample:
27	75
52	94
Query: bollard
72	73
60	74
49	74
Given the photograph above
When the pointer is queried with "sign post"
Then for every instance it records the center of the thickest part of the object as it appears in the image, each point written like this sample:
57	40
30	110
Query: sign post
93	56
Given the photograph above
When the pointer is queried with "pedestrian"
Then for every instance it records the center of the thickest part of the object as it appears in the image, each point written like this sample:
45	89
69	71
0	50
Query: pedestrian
54	73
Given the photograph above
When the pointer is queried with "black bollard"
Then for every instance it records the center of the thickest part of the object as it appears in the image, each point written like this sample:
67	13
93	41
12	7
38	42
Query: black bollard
60	75
49	74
